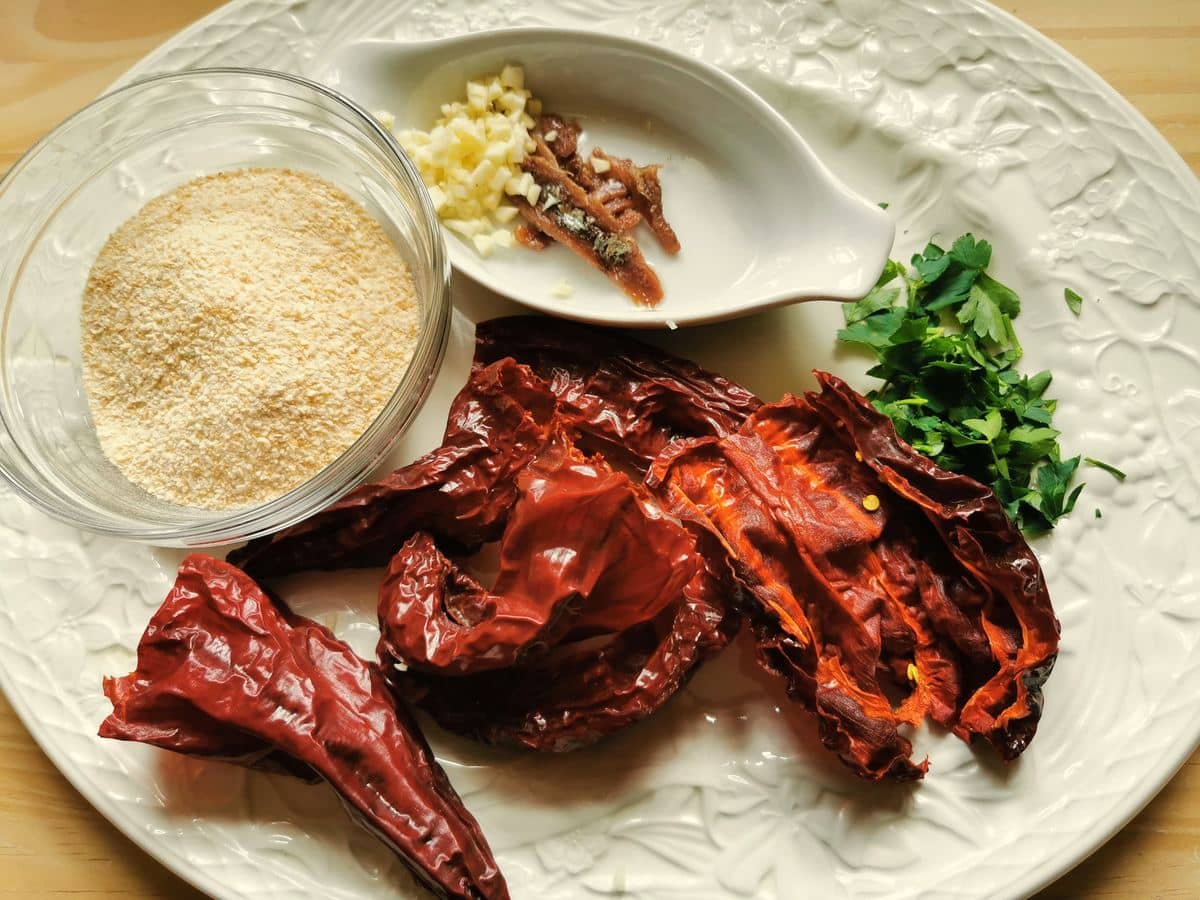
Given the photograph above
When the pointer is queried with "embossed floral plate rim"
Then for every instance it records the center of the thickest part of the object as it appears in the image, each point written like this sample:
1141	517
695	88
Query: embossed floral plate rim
1104	829
1166	763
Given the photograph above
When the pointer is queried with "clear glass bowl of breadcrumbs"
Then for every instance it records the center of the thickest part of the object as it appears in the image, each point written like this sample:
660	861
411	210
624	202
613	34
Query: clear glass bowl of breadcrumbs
68	193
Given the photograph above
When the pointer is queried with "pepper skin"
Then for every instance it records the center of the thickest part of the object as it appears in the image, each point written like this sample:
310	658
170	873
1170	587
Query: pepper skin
225	673
585	551
870	572
619	397
603	607
1015	604
582	691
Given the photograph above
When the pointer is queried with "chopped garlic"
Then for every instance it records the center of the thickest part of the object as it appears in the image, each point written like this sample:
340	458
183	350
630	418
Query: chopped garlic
471	158
551	135
477	95
465	227
600	164
563	289
531	195
512	77
484	244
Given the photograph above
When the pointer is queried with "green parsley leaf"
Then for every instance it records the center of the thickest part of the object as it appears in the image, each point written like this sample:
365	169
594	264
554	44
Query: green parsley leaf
930	264
874	331
983	316
969	254
877	299
1004	297
1023	434
950	289
1074	301
1053	479
1039	382
989	427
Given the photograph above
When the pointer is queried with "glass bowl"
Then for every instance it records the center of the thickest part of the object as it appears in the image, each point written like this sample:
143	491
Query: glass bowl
63	198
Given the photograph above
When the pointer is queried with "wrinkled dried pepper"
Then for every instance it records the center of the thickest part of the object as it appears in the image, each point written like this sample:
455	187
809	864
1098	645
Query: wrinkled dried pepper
585	552
608	663
863	588
602	608
871	572
1014	605
225	673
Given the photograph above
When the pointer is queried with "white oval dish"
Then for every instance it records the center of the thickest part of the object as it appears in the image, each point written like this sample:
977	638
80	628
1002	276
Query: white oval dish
761	220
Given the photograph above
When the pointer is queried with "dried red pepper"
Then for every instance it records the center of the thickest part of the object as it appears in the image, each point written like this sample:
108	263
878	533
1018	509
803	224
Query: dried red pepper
805	555
583	691
872	573
620	657
1014	607
225	673
619	397
602	609
585	551
876	618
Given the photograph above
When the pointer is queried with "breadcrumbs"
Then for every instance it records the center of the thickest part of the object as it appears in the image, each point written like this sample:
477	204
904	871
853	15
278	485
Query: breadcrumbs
240	332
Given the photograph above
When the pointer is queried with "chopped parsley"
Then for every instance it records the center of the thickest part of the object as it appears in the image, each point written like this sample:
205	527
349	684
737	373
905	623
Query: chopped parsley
1074	301
945	348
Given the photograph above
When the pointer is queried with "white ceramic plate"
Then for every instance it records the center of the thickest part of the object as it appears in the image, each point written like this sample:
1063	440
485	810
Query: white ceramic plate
959	117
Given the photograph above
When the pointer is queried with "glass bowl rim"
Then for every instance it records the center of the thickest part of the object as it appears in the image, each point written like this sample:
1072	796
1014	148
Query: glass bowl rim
347	470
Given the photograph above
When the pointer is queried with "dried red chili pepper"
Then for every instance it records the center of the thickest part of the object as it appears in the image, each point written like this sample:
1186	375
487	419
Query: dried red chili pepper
1014	607
584	551
805	556
602	608
225	673
621	398
872	571
582	691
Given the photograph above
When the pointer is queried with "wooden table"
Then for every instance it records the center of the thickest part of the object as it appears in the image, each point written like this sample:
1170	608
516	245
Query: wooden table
55	55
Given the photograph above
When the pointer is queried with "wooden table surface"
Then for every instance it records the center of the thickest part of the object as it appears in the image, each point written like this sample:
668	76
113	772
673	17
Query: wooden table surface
56	55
